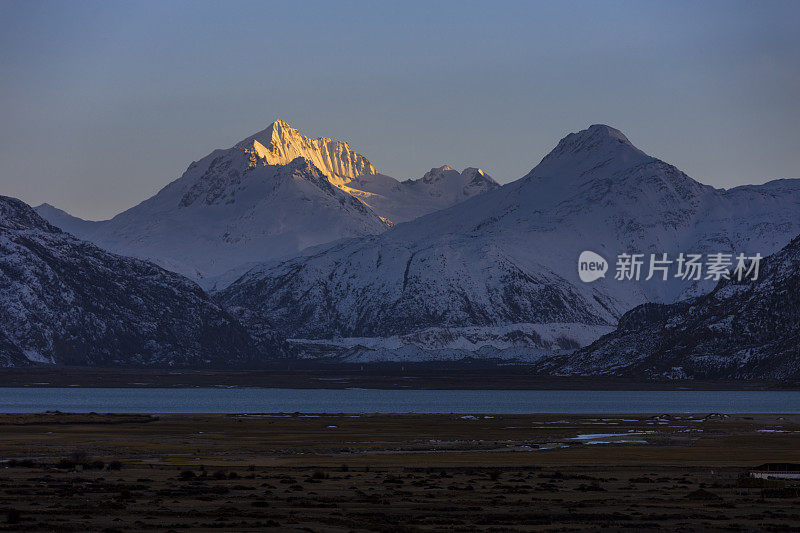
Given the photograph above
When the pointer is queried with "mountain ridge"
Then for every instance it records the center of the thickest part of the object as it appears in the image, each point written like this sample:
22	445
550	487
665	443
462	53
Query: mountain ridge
492	276
279	144
68	302
744	329
237	206
509	256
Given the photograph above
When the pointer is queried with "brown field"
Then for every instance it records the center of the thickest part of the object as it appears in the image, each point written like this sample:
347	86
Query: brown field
395	473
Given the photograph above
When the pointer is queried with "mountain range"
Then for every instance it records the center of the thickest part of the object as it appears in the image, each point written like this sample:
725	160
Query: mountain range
308	251
500	269
269	196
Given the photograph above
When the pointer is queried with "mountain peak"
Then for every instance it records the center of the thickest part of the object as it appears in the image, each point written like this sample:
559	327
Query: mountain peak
16	214
277	131
594	138
437	173
477	176
280	144
597	147
602	130
280	124
448	182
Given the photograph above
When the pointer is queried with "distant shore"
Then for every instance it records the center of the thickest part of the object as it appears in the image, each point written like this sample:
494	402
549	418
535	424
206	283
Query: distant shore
292	375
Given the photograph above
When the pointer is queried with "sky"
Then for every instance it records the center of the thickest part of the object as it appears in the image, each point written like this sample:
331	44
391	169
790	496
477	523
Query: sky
104	103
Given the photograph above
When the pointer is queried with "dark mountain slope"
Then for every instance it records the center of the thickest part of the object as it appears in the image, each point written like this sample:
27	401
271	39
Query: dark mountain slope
65	301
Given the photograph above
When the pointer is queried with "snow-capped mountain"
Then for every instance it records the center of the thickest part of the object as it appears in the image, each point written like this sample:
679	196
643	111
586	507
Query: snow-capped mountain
509	256
741	330
401	201
63	220
269	196
280	144
66	301
263	198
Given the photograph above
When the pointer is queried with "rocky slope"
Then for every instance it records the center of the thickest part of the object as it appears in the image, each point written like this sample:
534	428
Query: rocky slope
280	144
741	330
66	301
269	196
509	256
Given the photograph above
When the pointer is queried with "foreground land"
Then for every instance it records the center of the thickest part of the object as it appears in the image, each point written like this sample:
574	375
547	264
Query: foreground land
286	472
314	375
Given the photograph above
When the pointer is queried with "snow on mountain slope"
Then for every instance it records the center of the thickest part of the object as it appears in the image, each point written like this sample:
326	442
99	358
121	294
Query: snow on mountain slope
403	201
269	196
65	221
509	256
66	301
217	216
280	144
513	342
230	208
741	330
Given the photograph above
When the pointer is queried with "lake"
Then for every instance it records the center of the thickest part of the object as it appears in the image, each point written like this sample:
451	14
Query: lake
255	400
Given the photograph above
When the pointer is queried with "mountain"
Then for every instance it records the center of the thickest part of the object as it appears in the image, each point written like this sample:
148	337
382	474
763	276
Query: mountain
255	201
741	330
437	189
65	301
280	144
269	196
63	220
508	257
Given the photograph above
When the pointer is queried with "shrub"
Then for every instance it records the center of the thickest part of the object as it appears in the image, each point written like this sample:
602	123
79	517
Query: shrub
13	516
79	456
788	492
22	463
65	464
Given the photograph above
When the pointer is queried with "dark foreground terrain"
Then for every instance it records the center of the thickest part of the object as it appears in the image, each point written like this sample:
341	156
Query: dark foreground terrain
286	472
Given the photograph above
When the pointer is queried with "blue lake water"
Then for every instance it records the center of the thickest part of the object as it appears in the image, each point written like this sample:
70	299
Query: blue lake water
254	400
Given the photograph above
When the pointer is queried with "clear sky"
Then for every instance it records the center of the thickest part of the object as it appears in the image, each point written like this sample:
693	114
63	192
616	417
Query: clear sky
103	103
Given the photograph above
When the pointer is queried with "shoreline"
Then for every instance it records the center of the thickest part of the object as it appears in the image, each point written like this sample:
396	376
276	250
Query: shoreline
407	377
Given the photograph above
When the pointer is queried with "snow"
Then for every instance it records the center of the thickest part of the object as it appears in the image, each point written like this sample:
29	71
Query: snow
269	196
294	234
280	144
508	257
437	189
65	301
470	339
741	330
